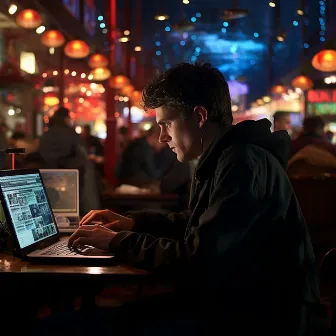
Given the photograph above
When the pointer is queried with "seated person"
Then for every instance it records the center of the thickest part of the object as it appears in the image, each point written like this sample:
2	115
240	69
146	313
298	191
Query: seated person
240	256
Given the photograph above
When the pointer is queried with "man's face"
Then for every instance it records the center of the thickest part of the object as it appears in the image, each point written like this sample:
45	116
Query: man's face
283	124
182	136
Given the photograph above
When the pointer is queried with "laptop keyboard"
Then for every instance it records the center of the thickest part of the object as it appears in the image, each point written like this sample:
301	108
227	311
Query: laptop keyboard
62	248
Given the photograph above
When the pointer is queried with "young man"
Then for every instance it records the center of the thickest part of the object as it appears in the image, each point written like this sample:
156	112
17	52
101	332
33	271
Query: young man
282	121
240	256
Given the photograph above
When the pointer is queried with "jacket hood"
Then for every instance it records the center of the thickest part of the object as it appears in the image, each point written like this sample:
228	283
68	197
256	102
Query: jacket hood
250	132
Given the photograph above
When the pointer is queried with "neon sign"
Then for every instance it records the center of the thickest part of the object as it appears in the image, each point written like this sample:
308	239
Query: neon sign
321	96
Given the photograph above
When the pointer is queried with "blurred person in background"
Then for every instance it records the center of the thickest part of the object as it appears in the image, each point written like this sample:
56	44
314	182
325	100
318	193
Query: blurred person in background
330	136
124	138
281	121
61	147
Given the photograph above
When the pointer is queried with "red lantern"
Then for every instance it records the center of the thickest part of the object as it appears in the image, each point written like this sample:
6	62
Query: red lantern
51	99
97	61
127	90
100	74
302	82
278	89
52	39
325	61
136	98
29	19
118	82
77	49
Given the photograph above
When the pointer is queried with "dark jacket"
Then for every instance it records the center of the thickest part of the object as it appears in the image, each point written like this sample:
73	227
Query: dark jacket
241	254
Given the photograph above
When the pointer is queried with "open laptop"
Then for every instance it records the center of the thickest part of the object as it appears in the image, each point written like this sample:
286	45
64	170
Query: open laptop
62	186
31	221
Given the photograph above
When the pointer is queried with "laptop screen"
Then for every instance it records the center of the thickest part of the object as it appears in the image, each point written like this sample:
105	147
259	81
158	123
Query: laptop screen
28	207
62	190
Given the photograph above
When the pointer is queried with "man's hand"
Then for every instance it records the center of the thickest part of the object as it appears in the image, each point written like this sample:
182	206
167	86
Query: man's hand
95	235
110	219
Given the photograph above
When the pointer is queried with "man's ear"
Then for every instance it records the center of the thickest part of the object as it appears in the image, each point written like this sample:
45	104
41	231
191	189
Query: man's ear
201	115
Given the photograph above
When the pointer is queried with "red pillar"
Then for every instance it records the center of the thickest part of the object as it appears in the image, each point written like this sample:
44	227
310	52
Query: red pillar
111	123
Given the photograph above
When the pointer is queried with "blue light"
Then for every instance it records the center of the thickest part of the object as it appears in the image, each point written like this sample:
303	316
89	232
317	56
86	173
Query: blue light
322	39
193	19
158	43
322	8
182	43
295	23
167	29
158	53
193	37
256	34
322	12
167	66
321	32
196	53
198	49
232	77
223	30
323	27
193	58
102	25
321	3
306	45
252	62
198	15
100	18
226	24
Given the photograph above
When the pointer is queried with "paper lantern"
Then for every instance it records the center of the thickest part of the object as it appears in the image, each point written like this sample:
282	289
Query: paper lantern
100	74
52	38
127	90
51	99
29	19
325	61
136	98
278	89
118	82
77	49
97	61
302	82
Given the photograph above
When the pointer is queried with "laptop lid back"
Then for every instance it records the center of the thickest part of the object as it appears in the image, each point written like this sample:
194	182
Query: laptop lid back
62	186
27	210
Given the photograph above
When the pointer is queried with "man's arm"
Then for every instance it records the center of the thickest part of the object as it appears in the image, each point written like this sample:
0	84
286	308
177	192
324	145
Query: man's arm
221	229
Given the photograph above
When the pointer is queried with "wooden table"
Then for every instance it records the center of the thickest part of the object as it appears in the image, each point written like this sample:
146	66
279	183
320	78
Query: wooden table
25	286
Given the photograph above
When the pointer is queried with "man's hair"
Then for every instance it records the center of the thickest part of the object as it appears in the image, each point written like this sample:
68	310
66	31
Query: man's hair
277	116
312	124
185	86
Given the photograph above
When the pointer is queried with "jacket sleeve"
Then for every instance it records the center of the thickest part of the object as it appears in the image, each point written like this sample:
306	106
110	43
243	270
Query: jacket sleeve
171	226
221	228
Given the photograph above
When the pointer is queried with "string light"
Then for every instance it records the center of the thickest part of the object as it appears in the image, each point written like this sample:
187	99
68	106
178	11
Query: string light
167	29
12	9
322	18
272	4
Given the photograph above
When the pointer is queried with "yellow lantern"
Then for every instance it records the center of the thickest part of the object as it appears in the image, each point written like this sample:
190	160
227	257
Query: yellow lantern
302	82
52	38
51	99
29	19
77	49
278	89
325	61
100	74
127	90
118	82
97	61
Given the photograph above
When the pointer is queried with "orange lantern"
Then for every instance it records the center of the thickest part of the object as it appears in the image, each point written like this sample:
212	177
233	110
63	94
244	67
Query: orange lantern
136	98
52	38
100	74
278	89
127	90
118	82
325	61
97	61
302	82
29	19
77	49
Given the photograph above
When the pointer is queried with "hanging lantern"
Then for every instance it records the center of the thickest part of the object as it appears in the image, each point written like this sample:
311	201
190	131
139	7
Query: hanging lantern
52	38
127	90
278	89
50	99
118	82
302	82
325	61
77	49
100	74
29	19
136	98
97	61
